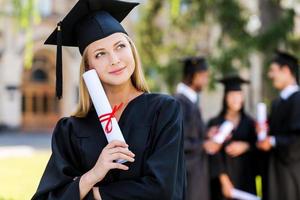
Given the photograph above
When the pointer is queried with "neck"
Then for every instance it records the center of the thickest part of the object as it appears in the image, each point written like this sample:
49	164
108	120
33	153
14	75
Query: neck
290	82
194	88
230	114
120	93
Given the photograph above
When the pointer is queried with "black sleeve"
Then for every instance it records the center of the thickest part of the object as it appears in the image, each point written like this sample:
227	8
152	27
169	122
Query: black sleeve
293	134
165	173
61	176
216	161
192	143
252	137
217	165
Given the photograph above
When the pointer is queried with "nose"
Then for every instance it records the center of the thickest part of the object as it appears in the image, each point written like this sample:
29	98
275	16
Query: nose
114	59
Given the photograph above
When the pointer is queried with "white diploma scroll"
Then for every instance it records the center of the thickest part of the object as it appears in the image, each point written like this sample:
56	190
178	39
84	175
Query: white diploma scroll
262	120
109	123
242	195
223	132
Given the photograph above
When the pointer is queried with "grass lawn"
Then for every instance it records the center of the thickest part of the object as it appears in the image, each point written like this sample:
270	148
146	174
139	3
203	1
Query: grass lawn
19	176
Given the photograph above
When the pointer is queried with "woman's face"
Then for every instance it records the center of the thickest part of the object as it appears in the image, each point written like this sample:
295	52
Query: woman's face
235	100
112	58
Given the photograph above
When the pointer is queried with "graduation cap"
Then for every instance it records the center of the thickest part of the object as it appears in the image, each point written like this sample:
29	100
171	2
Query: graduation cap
194	64
284	58
88	21
233	83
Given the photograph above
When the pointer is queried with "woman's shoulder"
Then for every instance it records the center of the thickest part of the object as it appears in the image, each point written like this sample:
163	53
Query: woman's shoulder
215	121
161	99
248	118
69	122
160	103
74	126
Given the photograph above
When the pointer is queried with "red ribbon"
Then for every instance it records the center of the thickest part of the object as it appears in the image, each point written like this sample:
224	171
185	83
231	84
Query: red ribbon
108	116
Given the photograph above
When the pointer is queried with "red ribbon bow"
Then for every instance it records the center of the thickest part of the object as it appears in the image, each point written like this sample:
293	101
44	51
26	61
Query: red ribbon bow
108	116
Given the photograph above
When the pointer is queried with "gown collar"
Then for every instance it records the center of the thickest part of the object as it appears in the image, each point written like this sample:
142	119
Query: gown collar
187	92
288	91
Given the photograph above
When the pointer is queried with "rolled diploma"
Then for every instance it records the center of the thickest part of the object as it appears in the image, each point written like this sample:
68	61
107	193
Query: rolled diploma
224	131
242	195
102	105
261	119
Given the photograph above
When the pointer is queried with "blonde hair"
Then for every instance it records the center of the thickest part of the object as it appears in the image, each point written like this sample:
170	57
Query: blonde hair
137	79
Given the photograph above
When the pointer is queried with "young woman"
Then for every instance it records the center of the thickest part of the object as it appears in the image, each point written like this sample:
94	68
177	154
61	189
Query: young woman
82	162
232	163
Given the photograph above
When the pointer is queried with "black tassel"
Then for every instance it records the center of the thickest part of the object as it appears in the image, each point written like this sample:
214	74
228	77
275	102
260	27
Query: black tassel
59	73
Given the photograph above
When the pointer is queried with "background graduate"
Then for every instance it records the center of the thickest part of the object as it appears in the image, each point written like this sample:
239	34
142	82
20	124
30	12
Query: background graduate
195	77
82	163
232	163
283	141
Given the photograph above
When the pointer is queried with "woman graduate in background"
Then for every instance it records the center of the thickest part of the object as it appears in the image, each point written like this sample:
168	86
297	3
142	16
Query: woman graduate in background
82	162
231	163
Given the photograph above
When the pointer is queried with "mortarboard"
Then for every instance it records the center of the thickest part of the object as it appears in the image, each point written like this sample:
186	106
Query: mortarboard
194	64
233	83
284	58
87	21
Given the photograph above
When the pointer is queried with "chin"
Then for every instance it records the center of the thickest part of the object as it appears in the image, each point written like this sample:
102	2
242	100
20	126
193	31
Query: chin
118	81
277	86
198	90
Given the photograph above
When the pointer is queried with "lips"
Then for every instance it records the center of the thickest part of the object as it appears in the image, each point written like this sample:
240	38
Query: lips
117	71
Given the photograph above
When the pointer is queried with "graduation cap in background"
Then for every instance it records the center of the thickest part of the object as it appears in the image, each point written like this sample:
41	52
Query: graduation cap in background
88	21
194	64
233	83
284	58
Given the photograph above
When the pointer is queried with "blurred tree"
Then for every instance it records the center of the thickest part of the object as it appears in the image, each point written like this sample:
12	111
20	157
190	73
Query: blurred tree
171	29
25	15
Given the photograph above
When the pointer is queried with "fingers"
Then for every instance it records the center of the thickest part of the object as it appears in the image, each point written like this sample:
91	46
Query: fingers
232	151
118	166
212	131
121	150
117	156
116	143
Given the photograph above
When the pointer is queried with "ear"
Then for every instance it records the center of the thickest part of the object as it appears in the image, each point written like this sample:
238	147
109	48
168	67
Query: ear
286	69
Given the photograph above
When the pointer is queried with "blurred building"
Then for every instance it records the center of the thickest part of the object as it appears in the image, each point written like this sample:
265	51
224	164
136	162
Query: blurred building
27	100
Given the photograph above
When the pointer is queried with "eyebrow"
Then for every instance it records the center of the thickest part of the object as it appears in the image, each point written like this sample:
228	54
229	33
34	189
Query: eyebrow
113	45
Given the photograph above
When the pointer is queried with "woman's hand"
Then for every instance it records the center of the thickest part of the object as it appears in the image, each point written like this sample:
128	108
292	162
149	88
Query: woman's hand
227	185
211	147
237	148
115	150
212	131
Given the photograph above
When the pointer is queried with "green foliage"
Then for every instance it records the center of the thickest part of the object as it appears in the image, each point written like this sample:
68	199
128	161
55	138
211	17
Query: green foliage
25	14
169	30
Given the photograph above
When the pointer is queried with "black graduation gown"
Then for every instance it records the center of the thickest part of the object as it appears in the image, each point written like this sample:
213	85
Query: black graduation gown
284	163
242	169
152	127
196	158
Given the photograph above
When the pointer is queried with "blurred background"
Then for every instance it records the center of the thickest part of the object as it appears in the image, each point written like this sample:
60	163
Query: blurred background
236	36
